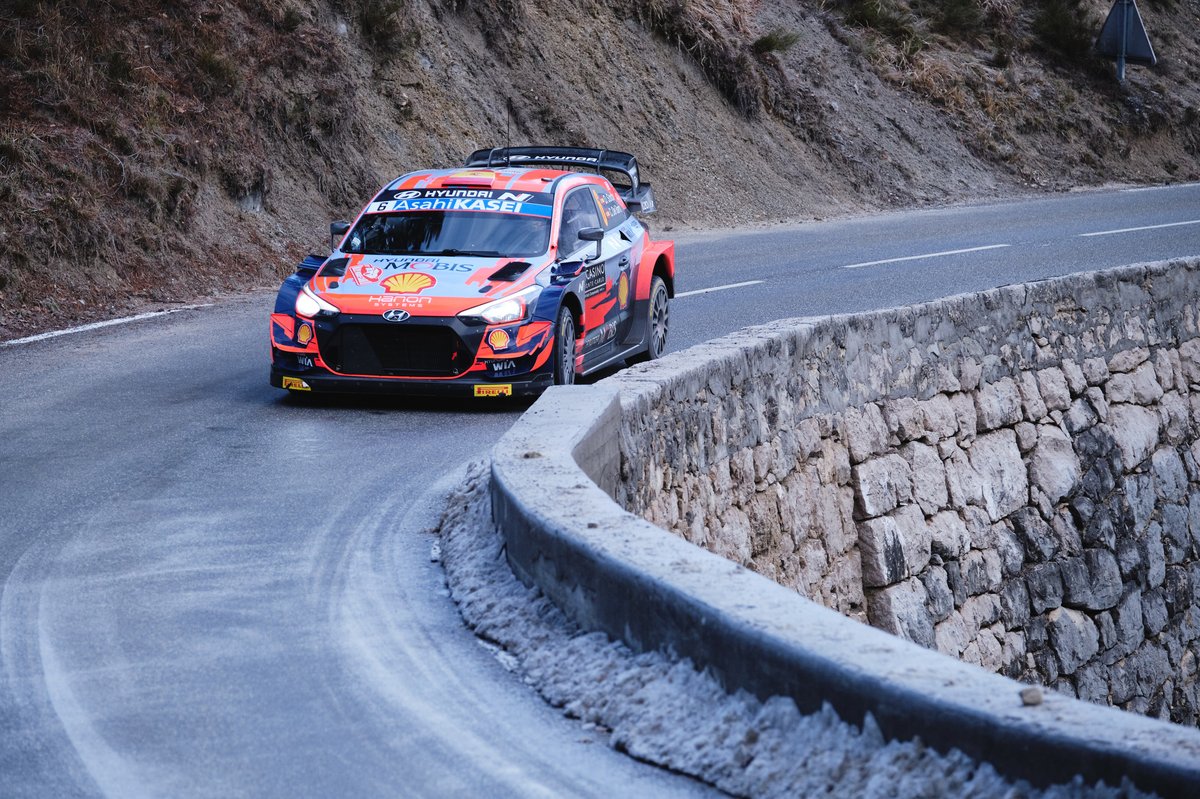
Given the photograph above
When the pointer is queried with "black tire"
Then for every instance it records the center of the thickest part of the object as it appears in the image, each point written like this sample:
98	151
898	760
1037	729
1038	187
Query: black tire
564	348
658	322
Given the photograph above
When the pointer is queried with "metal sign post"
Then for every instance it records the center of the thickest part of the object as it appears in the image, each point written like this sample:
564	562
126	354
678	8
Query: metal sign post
1124	27
1123	38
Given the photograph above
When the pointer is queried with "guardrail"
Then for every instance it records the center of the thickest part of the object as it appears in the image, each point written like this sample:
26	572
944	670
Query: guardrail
553	476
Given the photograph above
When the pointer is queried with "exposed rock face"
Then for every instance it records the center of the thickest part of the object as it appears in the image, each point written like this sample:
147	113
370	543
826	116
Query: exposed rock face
1012	477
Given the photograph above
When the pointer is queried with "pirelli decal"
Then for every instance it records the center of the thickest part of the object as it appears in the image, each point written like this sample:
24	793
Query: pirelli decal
495	390
296	384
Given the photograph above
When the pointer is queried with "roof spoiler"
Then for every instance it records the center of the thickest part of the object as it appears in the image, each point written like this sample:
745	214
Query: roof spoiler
638	196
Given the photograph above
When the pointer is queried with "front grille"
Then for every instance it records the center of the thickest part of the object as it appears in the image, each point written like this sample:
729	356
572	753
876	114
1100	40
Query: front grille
394	350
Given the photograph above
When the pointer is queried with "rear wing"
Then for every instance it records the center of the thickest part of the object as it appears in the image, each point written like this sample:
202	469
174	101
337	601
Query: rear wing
638	195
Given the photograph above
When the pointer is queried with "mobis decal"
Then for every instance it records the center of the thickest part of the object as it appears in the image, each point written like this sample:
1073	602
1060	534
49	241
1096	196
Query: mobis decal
423	264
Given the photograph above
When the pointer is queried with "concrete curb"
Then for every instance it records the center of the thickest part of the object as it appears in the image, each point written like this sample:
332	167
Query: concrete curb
612	571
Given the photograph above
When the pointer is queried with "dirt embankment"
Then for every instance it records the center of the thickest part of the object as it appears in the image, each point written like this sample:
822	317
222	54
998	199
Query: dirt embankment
152	153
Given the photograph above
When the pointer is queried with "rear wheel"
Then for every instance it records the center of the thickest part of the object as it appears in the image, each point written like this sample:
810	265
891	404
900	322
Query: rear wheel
658	321
564	348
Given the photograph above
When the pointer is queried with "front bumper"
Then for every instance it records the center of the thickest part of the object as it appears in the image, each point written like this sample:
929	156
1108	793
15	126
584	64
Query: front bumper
427	356
319	380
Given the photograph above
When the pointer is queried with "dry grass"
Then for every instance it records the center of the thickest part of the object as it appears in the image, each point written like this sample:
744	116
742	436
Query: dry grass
112	124
388	26
1066	28
713	33
775	41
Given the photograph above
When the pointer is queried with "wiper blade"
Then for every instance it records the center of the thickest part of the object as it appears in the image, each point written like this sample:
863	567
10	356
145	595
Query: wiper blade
481	253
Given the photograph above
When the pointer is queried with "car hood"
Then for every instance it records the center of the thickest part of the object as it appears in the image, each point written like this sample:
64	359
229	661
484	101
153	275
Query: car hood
422	285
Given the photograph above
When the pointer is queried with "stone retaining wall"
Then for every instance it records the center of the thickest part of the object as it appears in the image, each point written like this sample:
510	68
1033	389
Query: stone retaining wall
1010	477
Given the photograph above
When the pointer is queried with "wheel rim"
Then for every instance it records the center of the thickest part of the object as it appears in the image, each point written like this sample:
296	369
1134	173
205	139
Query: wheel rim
659	321
566	355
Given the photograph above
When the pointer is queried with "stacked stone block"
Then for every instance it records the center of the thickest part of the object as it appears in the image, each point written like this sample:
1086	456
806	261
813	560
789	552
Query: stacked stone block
1011	478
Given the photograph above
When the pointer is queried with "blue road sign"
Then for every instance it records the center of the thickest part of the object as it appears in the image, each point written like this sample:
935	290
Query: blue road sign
1123	38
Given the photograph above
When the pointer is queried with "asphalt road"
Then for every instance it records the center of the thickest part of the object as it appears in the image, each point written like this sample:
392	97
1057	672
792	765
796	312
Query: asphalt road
207	590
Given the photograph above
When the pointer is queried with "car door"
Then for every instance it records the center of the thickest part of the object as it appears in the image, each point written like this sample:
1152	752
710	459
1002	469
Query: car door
602	275
622	257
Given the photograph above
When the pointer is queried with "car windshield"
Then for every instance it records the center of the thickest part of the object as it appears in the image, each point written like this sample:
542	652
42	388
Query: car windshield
500	235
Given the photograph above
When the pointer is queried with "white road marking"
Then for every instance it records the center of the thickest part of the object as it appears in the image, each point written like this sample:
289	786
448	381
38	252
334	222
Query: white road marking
1133	189
926	255
1135	229
717	288
96	325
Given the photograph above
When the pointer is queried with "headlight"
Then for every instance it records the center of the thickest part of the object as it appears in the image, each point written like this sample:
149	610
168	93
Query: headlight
508	309
310	305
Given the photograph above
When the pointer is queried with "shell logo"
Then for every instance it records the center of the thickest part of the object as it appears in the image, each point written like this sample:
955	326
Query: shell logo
499	339
623	290
408	283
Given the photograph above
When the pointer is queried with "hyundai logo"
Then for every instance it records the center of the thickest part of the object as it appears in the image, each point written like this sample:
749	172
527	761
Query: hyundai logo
396	315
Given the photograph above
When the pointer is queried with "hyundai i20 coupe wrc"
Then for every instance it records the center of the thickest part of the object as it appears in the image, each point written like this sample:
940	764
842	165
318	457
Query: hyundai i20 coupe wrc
514	273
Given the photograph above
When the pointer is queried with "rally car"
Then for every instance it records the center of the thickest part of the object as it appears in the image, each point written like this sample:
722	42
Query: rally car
516	272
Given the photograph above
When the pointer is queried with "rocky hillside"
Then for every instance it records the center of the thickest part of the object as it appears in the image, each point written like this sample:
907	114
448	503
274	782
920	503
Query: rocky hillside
156	152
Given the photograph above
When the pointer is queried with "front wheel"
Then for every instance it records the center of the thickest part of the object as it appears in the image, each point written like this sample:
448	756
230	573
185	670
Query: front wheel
564	348
658	322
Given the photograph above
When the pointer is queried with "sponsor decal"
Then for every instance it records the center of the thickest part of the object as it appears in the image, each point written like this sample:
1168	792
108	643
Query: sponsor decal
501	366
296	384
305	361
608	205
364	274
606	332
623	290
499	339
408	283
466	200
392	300
473	194
304	334
497	390
423	264
580	159
594	282
396	315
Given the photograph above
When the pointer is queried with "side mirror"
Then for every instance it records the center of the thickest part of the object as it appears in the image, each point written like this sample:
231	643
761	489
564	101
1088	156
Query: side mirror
337	230
593	234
